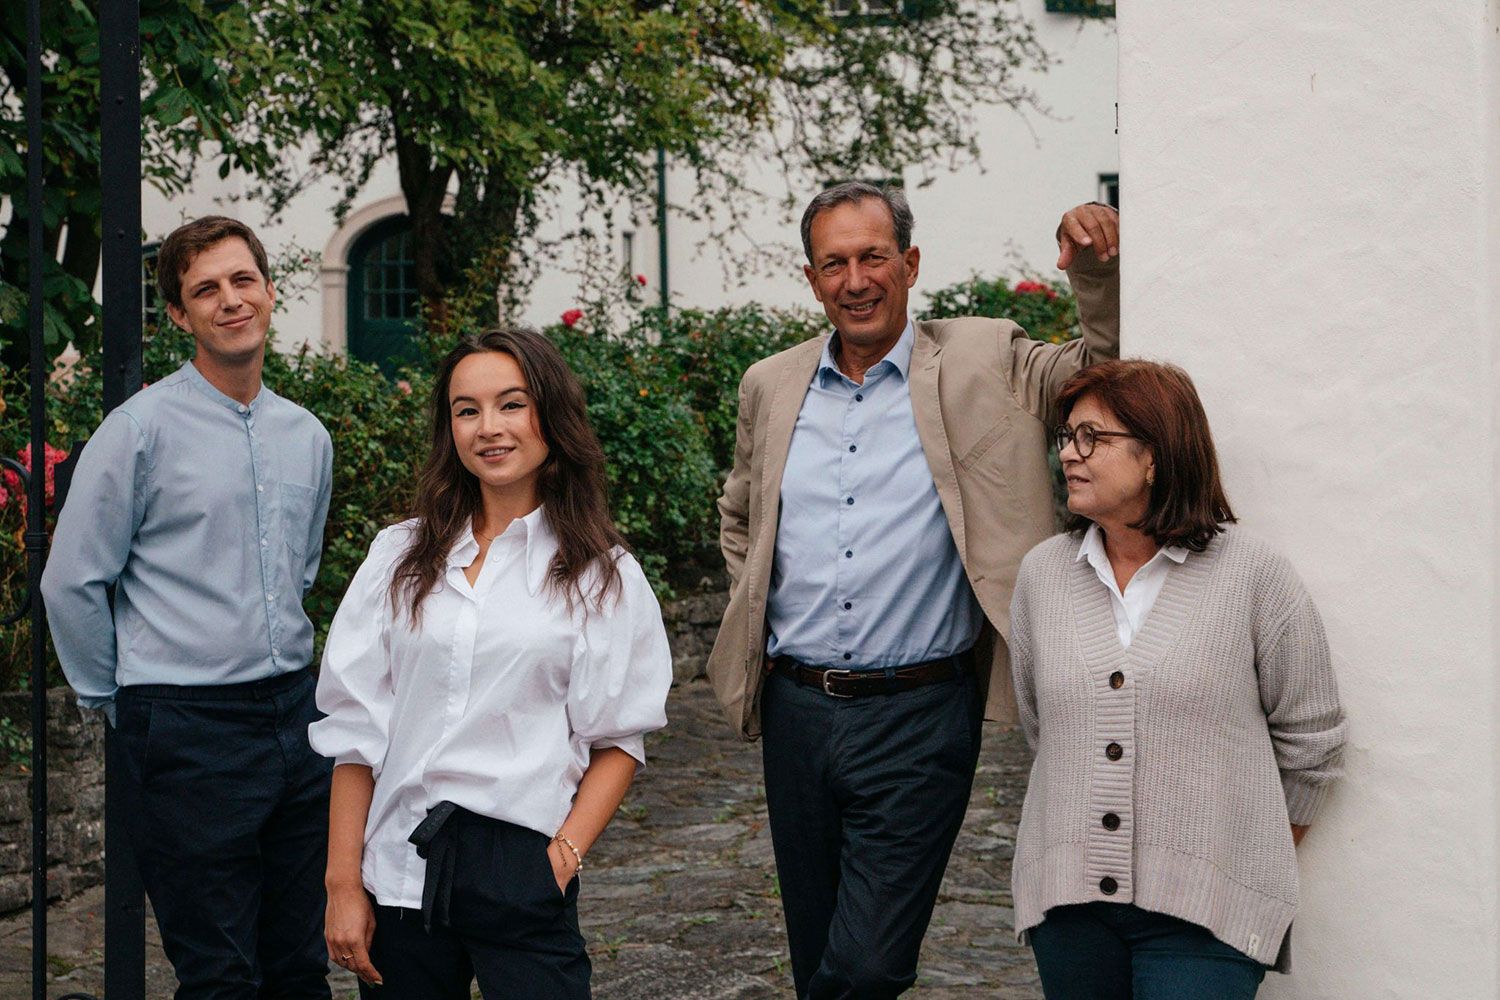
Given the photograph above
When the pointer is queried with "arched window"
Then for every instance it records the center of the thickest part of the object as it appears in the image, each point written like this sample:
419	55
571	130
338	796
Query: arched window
383	302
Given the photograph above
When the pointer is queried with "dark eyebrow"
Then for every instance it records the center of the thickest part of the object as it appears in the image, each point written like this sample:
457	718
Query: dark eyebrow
503	392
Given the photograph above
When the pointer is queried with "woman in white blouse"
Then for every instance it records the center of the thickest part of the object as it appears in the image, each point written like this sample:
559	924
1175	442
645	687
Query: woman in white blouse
488	681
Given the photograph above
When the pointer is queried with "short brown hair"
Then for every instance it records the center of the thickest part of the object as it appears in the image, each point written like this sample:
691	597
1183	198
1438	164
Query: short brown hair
853	192
187	241
1158	404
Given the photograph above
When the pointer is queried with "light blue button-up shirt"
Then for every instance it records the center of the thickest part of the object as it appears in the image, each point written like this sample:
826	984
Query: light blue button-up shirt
866	573
207	516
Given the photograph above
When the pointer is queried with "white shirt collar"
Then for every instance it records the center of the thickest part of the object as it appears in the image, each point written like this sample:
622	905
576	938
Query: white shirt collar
1092	549
533	531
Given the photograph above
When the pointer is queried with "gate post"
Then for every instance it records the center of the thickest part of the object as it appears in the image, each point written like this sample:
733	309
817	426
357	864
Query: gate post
120	177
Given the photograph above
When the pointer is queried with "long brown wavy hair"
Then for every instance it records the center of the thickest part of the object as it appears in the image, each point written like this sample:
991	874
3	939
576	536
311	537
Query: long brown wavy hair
571	483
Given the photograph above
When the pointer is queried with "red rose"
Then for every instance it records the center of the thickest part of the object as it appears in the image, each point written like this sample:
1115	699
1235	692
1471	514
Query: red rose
640	279
572	316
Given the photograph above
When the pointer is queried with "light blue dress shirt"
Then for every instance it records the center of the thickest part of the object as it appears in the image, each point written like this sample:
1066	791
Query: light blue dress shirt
866	573
207	516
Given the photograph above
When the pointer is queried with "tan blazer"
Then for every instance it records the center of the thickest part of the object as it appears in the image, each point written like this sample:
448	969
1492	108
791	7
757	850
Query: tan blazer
983	394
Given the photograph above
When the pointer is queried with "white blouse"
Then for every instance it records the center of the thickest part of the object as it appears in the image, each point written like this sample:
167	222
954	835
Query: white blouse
1133	605
494	702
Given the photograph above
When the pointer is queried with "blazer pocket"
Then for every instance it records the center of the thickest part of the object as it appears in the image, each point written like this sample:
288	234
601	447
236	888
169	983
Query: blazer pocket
977	450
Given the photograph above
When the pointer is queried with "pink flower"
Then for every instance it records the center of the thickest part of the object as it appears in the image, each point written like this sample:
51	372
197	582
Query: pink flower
404	386
571	317
1035	288
11	483
640	279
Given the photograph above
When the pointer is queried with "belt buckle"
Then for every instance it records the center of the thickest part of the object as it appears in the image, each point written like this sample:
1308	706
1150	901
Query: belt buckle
828	675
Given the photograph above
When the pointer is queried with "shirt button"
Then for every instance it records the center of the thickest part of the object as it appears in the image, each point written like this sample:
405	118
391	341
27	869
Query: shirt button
859	397
1114	751
270	598
849	501
848	553
1111	821
244	409
854	447
848	656
275	651
848	605
1117	680
264	543
1108	886
259	488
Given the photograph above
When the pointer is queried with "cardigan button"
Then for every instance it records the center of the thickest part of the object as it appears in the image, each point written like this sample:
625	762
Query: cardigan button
1114	751
1108	886
1117	680
1111	821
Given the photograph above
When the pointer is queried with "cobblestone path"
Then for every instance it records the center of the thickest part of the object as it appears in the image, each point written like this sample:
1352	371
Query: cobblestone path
680	901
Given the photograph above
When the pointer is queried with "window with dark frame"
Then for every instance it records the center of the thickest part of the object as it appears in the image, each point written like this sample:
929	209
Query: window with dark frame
1109	190
1088	8
152	312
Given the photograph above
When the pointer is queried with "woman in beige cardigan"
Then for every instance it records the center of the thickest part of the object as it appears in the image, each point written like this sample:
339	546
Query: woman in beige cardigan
1174	682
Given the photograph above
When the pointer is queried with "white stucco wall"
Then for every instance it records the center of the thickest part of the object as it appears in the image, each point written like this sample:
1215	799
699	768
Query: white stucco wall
976	219
1312	232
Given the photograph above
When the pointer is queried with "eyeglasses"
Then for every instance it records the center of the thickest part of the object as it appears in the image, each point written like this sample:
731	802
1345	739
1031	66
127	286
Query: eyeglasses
1084	437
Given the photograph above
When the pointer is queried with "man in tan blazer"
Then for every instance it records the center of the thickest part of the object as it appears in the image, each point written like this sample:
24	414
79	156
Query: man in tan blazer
887	481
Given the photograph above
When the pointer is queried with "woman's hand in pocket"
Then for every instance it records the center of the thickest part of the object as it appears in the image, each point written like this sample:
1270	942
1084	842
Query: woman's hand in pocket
564	865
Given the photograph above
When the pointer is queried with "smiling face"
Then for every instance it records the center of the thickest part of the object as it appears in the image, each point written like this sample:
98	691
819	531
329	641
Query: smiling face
226	304
859	273
1109	487
495	428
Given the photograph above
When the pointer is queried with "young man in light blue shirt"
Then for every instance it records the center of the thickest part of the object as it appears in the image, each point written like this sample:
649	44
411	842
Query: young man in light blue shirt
201	502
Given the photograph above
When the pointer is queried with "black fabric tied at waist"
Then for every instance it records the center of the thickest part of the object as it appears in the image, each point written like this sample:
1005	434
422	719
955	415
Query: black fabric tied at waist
434	840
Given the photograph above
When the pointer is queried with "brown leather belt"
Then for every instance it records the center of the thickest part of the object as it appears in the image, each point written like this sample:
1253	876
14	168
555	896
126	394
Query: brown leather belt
841	682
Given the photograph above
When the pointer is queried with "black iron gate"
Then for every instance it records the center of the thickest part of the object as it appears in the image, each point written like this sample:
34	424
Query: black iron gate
120	177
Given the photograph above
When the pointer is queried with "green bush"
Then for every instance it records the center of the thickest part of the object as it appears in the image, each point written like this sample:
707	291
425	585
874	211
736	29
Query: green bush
1044	309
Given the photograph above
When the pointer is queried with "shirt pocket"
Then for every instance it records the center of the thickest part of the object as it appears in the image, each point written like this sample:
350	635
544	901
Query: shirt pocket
297	504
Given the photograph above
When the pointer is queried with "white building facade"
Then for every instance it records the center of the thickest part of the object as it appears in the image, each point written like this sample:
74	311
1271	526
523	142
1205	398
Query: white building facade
1314	233
994	218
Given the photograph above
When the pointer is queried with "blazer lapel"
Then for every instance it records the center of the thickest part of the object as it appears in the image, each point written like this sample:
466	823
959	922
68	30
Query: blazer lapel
926	362
781	420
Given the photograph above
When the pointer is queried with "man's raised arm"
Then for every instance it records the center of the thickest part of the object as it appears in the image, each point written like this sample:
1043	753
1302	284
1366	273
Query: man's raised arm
1089	250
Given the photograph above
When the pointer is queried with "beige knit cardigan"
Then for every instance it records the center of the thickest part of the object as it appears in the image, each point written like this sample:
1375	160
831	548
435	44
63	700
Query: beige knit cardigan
1227	726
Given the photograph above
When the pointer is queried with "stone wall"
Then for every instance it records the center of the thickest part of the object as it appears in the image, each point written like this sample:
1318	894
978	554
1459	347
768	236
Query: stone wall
75	769
75	794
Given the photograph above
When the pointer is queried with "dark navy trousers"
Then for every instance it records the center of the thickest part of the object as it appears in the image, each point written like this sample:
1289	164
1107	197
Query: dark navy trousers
491	911
1118	951
231	833
865	797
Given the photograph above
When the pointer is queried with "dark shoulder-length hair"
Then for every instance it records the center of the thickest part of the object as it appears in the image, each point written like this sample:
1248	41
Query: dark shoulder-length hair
1159	405
571	484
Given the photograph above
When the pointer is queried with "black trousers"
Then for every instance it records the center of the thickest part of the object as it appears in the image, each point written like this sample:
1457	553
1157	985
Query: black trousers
493	911
231	833
865	796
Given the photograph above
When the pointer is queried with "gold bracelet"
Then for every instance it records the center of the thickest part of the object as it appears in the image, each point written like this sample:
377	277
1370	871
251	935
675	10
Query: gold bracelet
572	847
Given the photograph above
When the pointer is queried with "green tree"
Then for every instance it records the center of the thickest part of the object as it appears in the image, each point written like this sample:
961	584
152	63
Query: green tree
495	102
189	100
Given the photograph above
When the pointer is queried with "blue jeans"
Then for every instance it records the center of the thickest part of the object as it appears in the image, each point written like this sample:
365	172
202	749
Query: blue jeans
1118	951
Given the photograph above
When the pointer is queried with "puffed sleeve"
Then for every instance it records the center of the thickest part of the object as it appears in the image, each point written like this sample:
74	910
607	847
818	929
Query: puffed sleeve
354	684
622	668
